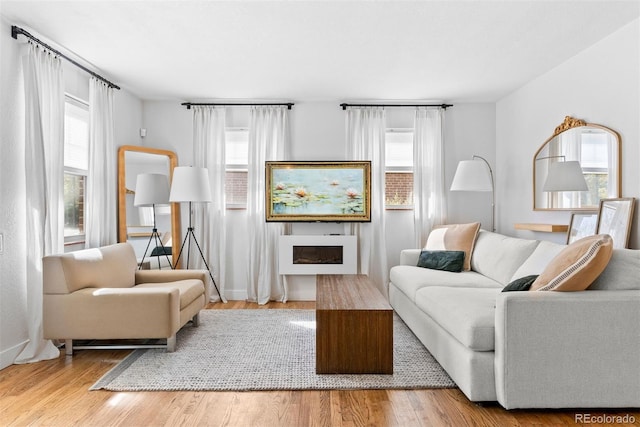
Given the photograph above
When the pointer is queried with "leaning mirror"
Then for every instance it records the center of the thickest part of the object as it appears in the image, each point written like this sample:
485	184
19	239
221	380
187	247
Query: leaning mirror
135	223
594	153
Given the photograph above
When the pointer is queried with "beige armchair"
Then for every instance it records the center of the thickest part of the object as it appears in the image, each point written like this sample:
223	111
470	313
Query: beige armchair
98	294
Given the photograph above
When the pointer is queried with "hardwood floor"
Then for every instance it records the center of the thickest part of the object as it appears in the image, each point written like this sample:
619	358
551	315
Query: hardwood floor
55	393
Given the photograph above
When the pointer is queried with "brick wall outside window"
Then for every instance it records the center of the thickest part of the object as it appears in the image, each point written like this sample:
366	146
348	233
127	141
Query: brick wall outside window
236	187
399	188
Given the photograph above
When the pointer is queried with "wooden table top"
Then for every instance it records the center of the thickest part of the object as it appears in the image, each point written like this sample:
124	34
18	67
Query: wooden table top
348	292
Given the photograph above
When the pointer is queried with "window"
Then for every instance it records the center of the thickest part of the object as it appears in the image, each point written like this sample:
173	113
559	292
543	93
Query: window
594	159
76	165
399	168
237	159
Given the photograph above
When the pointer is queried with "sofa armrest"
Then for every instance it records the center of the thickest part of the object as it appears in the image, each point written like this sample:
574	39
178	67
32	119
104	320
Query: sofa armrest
163	276
567	349
409	256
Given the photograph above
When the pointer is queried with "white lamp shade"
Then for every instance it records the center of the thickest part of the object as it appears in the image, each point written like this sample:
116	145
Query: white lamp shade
565	176
151	189
472	175
190	184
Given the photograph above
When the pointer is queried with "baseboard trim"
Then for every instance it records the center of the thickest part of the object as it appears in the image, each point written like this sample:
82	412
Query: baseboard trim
8	356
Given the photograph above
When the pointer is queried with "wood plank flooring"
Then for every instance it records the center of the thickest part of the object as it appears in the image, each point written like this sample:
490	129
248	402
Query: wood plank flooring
55	393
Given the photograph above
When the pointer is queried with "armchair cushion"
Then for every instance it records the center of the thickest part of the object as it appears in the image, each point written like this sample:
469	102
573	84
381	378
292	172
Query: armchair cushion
190	289
107	267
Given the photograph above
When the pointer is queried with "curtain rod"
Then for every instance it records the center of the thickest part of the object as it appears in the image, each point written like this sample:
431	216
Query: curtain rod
443	106
236	104
17	30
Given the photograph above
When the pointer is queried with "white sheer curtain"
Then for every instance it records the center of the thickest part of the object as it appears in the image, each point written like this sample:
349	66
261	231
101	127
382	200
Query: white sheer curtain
44	141
429	195
366	128
268	140
210	218
100	218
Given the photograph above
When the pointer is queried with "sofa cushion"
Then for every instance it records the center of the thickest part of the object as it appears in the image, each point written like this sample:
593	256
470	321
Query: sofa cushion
539	259
466	313
621	272
410	279
577	265
521	284
498	256
190	289
454	237
452	261
111	266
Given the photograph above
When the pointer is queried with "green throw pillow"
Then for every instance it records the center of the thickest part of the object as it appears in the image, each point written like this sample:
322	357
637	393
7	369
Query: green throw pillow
442	260
521	284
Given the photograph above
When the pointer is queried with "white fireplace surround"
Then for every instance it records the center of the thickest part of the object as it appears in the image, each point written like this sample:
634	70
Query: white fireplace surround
349	254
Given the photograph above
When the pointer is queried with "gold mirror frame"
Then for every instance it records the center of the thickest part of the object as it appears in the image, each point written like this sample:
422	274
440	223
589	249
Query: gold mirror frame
568	124
122	192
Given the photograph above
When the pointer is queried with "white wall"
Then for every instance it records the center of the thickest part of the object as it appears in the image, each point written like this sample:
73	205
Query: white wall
128	114
318	133
599	85
13	324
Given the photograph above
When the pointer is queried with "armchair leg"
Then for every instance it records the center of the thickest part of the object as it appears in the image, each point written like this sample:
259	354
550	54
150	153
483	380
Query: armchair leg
68	347
196	320
171	344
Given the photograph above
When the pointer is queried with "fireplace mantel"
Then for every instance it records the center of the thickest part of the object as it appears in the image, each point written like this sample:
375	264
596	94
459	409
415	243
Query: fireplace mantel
296	254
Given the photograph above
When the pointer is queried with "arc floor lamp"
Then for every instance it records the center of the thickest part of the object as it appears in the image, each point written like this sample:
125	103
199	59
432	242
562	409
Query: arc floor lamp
191	184
476	175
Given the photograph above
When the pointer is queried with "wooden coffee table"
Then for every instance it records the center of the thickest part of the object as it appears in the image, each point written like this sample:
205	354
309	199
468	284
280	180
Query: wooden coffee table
354	326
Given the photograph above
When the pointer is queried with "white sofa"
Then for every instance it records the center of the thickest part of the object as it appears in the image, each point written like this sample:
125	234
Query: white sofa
527	349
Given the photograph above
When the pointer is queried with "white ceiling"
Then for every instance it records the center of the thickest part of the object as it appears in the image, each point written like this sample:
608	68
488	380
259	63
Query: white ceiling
453	51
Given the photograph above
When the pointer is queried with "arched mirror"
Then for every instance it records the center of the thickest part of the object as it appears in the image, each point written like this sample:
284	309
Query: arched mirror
135	223
593	150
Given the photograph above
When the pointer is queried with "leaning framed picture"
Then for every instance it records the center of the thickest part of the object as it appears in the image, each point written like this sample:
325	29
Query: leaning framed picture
582	224
614	219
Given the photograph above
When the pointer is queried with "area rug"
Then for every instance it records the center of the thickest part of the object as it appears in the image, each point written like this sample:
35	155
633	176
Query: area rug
269	349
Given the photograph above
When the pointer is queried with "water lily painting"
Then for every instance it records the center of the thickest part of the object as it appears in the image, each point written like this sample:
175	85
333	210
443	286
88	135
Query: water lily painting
318	191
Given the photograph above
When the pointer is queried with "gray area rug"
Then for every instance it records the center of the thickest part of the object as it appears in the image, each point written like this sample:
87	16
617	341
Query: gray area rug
269	349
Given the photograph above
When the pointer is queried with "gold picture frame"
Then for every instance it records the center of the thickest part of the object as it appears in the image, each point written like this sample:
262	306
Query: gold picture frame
318	191
614	218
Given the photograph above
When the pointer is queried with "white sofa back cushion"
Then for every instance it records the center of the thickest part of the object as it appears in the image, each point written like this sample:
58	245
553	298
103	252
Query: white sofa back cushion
538	260
621	272
498	256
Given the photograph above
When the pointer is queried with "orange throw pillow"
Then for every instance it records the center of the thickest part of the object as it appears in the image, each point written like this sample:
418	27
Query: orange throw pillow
576	266
454	237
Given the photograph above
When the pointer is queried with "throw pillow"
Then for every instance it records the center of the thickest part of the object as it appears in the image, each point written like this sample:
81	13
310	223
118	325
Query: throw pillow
521	284
454	237
577	265
442	260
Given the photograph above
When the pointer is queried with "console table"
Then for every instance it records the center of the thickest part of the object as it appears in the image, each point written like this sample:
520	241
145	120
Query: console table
354	326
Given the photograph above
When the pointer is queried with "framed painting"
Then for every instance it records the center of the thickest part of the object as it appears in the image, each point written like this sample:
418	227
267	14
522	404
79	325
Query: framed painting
614	219
582	224
317	191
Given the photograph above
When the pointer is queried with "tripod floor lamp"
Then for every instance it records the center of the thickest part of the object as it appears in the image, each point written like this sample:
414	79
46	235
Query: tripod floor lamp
152	189
191	184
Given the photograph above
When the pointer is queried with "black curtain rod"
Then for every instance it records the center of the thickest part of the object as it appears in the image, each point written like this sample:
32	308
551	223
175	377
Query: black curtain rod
17	30
236	104
443	106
